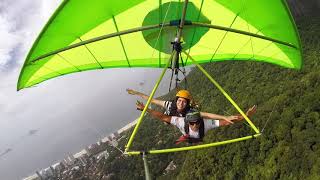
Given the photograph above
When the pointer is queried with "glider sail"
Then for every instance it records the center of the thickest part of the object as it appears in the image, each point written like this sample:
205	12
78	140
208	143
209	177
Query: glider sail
138	33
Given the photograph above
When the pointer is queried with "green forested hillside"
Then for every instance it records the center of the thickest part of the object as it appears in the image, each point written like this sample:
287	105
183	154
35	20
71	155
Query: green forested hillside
288	99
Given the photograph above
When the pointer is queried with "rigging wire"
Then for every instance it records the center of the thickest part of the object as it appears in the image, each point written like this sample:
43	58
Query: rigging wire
184	73
162	25
270	115
171	79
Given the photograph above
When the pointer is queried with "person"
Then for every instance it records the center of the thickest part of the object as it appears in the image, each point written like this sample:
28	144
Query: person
196	124
177	107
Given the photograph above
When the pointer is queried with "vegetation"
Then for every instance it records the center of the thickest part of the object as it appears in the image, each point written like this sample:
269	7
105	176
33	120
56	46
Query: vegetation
288	107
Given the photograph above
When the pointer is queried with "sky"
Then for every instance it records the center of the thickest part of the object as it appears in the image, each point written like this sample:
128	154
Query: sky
43	124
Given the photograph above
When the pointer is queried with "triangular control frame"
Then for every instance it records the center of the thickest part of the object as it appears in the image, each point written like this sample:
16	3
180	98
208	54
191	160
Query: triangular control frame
256	130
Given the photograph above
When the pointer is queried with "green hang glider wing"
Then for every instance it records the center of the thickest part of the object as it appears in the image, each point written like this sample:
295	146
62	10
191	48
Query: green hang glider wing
97	34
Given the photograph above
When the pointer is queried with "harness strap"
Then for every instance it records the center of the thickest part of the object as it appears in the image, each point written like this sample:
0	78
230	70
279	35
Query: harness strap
182	138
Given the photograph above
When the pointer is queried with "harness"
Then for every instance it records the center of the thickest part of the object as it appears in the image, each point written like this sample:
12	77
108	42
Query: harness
187	137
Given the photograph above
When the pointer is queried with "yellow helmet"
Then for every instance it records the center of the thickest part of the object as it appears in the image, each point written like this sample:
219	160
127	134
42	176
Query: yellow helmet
184	94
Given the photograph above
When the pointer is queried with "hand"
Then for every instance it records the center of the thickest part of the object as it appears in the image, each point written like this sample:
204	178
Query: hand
140	105
231	118
131	91
251	110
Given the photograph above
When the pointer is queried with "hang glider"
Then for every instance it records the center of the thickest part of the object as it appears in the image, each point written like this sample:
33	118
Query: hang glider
138	33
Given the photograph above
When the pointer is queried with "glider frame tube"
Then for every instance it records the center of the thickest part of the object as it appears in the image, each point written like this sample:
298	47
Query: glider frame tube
194	147
143	28
224	93
148	102
146	167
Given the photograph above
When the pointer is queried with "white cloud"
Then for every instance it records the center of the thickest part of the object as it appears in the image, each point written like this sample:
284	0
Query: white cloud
21	21
9	40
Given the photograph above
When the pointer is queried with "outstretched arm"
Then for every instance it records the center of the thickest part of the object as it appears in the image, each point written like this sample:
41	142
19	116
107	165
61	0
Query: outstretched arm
239	117
156	114
146	97
228	119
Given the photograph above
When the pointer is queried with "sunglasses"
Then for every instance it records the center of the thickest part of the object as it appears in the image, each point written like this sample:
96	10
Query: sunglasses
193	123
